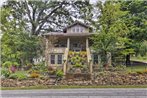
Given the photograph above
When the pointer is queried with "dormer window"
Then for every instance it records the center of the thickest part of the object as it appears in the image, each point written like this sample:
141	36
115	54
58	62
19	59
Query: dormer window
77	29
73	29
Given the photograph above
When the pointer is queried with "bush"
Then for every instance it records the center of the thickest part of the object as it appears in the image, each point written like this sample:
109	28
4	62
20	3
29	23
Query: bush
139	72
145	71
120	68
19	75
34	75
59	73
5	72
9	63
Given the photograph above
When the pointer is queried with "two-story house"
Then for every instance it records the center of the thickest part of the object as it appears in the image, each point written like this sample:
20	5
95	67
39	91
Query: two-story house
74	37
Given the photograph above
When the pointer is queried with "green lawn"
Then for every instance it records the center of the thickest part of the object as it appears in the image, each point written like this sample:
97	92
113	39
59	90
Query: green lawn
74	86
136	68
141	59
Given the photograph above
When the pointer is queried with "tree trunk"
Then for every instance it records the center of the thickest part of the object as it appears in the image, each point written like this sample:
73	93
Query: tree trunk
128	61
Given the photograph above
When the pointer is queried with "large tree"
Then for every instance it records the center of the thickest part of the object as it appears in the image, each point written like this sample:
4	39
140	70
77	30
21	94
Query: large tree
45	15
17	45
136	20
111	29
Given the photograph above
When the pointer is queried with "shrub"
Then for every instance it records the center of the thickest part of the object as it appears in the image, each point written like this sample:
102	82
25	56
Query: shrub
139	72
78	65
9	63
59	73
5	72
18	75
34	75
120	67
145	71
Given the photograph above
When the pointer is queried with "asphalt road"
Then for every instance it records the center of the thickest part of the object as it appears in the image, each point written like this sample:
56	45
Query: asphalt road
77	93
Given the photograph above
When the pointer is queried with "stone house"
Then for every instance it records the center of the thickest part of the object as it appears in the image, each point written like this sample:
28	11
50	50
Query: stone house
74	38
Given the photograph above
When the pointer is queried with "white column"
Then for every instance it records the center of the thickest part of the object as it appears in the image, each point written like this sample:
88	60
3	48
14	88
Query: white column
66	56
68	43
87	43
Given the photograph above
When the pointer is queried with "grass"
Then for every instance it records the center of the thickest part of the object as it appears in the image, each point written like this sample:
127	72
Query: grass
136	68
140	59
68	87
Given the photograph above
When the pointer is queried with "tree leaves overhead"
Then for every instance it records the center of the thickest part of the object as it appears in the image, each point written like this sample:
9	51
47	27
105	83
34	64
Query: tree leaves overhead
46	15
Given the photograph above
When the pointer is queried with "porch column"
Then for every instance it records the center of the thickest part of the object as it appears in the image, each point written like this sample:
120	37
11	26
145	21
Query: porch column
66	56
89	55
87	43
68	42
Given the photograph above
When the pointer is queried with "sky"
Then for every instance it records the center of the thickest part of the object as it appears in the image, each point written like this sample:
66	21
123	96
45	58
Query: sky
1	2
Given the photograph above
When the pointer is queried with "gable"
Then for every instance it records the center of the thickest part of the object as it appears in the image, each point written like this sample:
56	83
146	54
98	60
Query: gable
77	29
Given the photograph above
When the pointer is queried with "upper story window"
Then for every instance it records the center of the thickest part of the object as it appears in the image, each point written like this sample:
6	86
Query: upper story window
77	29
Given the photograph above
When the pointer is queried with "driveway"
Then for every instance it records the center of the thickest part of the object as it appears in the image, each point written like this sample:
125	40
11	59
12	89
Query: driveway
77	93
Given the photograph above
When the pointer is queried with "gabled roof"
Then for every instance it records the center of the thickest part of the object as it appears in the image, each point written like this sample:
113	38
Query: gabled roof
75	23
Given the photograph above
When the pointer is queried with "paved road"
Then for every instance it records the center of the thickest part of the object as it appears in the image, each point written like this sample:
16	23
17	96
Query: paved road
76	93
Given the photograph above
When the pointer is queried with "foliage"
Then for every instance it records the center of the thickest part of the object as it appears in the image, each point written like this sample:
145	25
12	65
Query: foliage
44	16
120	67
9	63
112	31
18	75
5	72
17	45
137	25
34	75
78	59
59	73
40	67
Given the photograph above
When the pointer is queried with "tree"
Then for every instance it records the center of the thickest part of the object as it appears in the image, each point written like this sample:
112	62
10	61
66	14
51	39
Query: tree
17	45
111	31
136	21
45	15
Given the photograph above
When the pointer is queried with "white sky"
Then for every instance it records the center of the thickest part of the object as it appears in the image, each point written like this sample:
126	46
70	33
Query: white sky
1	2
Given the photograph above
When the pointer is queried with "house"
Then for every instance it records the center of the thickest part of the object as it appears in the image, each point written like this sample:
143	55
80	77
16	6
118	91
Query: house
74	38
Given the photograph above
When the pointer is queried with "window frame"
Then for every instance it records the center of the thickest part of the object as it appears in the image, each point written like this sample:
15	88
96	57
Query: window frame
59	60
52	59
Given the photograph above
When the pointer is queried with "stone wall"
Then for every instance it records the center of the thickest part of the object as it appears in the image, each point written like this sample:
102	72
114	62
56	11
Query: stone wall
104	78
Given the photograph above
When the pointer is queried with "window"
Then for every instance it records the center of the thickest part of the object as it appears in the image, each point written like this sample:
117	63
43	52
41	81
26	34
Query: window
74	30
95	59
52	59
59	59
77	29
81	29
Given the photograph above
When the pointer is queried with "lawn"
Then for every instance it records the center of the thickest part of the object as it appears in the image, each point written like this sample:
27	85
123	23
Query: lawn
73	86
137	68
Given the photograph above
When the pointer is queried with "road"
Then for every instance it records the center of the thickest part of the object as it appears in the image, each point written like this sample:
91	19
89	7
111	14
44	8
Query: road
77	93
